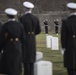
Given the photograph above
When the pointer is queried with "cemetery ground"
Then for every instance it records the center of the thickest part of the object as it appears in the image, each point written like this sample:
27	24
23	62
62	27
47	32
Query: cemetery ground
53	56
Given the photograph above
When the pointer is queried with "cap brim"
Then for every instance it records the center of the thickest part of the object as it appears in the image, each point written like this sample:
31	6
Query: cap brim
71	5
28	5
11	11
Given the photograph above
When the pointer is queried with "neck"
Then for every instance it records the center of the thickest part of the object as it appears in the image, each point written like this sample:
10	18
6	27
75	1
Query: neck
13	19
28	12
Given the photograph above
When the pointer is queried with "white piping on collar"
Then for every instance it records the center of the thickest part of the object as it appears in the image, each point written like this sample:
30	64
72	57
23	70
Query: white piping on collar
12	19
72	14
28	12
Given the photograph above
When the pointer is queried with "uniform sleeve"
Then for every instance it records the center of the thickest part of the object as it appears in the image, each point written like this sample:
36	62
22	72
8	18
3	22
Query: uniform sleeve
2	37
0	27
38	28
63	34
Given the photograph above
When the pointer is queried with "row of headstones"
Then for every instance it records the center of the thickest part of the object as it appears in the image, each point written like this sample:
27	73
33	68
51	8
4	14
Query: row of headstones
52	42
42	67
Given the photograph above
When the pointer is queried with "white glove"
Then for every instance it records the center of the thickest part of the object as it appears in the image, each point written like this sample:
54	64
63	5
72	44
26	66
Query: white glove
2	51
62	51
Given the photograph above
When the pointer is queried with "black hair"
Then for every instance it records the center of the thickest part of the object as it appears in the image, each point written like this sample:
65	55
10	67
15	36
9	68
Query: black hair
10	16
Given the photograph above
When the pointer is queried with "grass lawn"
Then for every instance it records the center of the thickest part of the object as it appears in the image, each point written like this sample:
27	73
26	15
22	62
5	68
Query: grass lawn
51	55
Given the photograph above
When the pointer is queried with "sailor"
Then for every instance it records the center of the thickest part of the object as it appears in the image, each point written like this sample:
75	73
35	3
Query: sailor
46	26
11	42
32	28
56	22
68	39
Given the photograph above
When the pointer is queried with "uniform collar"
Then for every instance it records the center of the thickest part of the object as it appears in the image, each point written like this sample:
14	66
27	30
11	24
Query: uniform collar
28	12
72	14
12	19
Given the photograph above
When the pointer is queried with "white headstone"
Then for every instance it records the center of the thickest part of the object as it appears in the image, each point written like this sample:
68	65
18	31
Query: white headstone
39	56
43	68
48	41
55	43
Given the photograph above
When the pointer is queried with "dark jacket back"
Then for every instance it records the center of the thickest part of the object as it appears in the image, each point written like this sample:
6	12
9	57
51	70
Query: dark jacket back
32	28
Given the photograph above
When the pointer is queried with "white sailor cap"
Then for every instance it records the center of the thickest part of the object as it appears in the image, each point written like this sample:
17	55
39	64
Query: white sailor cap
71	5
10	11
28	4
